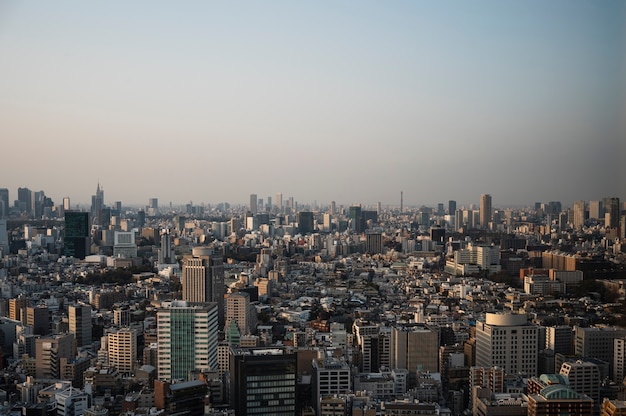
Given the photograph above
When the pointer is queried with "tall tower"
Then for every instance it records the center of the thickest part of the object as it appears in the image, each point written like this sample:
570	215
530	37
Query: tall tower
24	200
485	210
80	323
401	202
579	214
239	310
612	211
4	202
253	203
76	242
187	339
203	279
279	201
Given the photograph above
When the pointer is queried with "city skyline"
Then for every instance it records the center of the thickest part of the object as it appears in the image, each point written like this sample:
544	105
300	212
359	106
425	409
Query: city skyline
352	102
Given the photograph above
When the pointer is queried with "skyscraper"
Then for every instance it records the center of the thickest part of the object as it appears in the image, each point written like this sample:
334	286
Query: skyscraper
24	200
612	211
485	210
187	339
253	203
76	241
240	311
80	323
416	348
4	202
451	207
579	214
97	202
203	278
279	201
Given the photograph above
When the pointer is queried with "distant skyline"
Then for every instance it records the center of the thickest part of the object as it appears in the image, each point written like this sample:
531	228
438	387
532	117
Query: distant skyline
351	101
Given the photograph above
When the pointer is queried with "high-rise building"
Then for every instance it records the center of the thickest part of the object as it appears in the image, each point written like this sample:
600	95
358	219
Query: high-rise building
584	378
122	349
253	203
97	202
451	207
203	278
166	252
17	308
416	348
579	214
485	210
279	201
24	200
560	339
597	342
76	242
263	381
187	339
4	202
305	222
38	318
80	323
66	204
611	212
596	210
507	341
240	311
373	243
4	237
153	207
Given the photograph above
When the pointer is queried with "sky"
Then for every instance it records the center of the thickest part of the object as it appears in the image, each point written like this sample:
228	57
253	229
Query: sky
346	101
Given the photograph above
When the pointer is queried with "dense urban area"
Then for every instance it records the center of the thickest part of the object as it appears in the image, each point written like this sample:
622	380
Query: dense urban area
284	308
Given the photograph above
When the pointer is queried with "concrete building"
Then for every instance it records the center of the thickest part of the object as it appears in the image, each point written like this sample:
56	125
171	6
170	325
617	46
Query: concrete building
187	339
331	376
203	279
416	348
122	349
507	341
80	324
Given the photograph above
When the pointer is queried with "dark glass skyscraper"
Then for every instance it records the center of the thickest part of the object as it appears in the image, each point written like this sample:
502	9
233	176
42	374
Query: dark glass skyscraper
76	243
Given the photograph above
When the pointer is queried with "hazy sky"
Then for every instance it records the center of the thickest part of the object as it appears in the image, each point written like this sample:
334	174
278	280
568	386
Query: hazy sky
351	101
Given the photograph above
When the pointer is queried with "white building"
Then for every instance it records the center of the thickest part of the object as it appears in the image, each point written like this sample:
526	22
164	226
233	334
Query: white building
122	349
507	341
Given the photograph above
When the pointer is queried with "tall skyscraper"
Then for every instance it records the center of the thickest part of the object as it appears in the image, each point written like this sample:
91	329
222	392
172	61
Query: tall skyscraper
279	201
4	202
263	381
508	341
611	212
485	210
579	214
80	323
24	200
166	253
97	202
66	204
451	207
77	229
187	339
596	210
253	203
203	278
305	222
153	207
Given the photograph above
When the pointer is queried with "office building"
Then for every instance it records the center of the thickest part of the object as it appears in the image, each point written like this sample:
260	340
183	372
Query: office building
560	339
187	339
4	202
38	318
611	212
24	200
373	242
203	278
416	348
584	378
17	308
48	354
331	376
166	252
507	341
579	214
77	230
4	237
80	324
451	207
485	210
122	349
263	381
240	311
124	245
279	201
597	343
305	222
253	204
71	402
596	211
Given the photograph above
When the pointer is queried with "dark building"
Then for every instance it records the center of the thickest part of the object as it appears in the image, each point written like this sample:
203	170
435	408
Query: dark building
185	398
262	381
24	200
438	234
141	218
451	207
611	207
76	243
356	219
305	222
